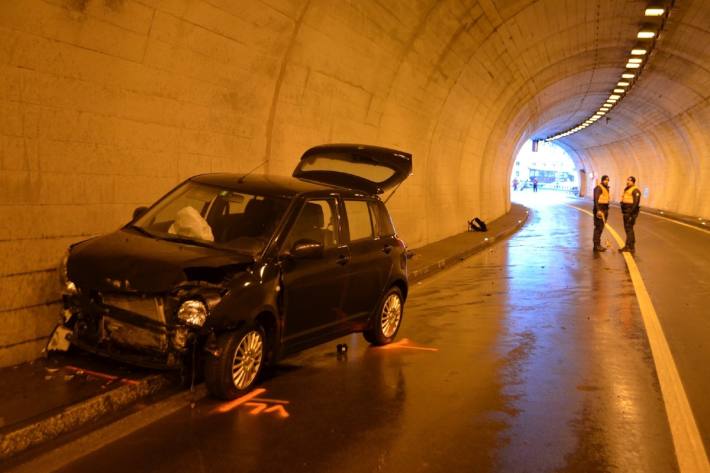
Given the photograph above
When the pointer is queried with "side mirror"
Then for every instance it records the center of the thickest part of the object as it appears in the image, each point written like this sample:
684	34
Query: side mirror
139	211
307	249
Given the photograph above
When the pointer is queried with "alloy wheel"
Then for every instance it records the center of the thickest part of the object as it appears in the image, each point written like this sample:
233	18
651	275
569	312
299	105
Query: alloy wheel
391	315
247	359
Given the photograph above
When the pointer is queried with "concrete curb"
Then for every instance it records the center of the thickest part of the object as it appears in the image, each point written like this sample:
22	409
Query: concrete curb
62	456
431	269
79	414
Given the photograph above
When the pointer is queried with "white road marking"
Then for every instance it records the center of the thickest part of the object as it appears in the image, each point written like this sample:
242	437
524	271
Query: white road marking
689	448
704	230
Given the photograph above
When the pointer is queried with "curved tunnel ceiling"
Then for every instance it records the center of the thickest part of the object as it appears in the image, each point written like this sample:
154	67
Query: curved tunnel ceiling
460	83
107	104
471	81
659	131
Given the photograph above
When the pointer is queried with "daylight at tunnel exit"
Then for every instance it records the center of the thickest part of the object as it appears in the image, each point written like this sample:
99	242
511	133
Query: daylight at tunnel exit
354	236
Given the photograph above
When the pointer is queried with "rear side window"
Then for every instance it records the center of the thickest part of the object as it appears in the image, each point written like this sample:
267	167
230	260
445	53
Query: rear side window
359	222
384	222
374	217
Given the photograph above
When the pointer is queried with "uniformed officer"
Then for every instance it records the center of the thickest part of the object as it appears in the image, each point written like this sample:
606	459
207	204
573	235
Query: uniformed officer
630	208
601	211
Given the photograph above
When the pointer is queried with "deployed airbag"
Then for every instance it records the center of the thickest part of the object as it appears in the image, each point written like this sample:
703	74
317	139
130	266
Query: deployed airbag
189	223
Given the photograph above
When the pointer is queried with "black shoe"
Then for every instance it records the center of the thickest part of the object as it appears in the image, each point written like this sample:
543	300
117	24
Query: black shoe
627	249
599	248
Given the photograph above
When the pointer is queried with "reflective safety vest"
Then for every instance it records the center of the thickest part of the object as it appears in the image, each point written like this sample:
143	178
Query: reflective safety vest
604	197
628	196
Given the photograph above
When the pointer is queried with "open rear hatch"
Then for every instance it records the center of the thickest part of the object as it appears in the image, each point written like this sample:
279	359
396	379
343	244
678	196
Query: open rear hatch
359	167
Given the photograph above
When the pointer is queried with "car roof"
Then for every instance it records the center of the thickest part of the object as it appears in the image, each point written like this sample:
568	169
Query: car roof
262	184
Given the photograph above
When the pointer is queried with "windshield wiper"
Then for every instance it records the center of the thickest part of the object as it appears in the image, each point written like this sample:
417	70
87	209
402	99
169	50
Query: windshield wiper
188	241
141	230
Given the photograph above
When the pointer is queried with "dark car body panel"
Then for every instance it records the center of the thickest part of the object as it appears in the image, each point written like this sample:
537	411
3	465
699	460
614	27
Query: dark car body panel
314	287
131	284
262	184
249	293
119	261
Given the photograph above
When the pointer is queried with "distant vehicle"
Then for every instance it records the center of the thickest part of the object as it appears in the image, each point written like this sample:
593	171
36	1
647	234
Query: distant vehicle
236	271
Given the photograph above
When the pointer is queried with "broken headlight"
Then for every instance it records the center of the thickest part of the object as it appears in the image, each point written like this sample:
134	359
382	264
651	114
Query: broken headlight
68	287
193	312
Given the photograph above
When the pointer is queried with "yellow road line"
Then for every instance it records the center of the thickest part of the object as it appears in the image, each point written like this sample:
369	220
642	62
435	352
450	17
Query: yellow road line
705	230
688	444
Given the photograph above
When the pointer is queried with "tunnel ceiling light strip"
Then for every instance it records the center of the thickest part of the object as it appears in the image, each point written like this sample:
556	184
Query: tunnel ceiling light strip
649	29
652	11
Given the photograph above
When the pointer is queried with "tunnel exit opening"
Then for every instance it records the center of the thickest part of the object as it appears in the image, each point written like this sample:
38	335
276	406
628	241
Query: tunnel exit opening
541	166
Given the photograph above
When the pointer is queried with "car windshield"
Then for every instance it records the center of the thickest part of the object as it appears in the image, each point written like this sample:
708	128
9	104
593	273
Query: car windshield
214	216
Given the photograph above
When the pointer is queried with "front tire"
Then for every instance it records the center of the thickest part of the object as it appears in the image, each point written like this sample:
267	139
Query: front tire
237	368
387	320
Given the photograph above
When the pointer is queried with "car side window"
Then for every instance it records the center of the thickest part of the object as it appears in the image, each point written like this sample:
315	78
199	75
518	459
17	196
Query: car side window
386	226
359	221
375	218
316	221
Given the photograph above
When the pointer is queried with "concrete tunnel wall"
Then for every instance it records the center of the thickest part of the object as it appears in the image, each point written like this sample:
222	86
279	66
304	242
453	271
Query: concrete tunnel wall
107	104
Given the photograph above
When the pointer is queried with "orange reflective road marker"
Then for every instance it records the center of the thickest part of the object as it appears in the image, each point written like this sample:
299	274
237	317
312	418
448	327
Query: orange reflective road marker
279	409
98	374
239	401
405	343
258	405
262	407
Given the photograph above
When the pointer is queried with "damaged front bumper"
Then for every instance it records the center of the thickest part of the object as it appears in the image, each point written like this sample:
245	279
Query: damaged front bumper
124	327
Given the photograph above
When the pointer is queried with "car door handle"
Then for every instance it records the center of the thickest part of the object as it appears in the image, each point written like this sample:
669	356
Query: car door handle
342	260
387	249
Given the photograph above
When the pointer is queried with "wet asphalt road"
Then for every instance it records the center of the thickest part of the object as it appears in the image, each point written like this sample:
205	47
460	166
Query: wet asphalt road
528	357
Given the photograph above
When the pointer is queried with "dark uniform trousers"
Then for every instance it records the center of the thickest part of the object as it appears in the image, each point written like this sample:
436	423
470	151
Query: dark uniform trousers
629	221
599	224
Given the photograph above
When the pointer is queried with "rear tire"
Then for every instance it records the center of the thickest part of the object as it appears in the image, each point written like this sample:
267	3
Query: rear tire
387	320
241	359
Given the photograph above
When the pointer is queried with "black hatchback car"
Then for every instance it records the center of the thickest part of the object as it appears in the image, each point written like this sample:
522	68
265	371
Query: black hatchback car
228	272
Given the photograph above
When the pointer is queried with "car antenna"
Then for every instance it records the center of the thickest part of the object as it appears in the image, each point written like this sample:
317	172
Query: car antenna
241	179
393	191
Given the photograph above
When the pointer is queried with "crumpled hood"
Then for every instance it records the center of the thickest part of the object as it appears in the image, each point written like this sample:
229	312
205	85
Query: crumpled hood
127	261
